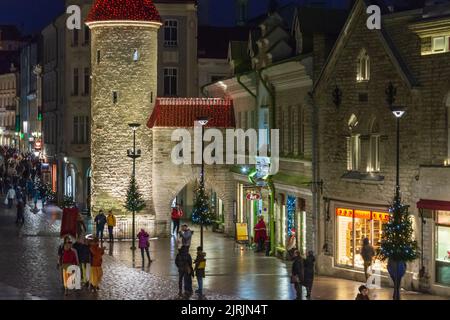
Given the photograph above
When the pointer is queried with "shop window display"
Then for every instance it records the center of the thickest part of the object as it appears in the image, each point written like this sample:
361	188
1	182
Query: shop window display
442	251
353	226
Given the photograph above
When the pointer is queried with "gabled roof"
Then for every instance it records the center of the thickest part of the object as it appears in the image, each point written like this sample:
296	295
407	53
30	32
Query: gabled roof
385	40
120	10
184	112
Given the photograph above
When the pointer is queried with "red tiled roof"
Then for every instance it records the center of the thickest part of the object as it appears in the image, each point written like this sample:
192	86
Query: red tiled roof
119	10
183	112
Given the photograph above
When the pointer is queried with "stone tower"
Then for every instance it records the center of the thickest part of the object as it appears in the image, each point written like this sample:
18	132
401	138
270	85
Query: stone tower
241	12
124	54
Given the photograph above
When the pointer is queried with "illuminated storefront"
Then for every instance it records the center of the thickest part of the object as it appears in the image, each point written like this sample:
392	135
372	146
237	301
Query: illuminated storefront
352	226
442	251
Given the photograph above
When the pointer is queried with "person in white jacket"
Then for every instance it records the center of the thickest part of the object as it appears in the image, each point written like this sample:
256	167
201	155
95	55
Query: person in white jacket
10	196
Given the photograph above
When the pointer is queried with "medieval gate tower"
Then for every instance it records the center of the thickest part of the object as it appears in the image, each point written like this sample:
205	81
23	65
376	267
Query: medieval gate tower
124	86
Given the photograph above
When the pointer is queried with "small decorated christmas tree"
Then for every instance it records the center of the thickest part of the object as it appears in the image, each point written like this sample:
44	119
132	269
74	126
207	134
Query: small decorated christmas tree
134	202
202	213
397	243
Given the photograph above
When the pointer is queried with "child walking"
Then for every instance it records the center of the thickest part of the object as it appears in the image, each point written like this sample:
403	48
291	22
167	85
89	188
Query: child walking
200	265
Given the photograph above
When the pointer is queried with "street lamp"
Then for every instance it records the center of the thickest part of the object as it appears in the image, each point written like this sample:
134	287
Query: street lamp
398	112
134	154
203	121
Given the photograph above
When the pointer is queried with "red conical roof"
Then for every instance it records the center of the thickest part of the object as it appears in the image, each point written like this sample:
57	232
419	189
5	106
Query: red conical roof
120	10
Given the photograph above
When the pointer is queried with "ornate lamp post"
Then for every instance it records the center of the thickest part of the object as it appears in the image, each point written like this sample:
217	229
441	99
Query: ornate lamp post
134	154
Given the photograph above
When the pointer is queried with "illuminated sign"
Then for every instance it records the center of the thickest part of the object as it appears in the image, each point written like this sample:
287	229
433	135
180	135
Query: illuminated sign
363	214
253	196
38	145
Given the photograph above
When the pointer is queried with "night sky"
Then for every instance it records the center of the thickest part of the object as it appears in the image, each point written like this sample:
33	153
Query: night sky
33	15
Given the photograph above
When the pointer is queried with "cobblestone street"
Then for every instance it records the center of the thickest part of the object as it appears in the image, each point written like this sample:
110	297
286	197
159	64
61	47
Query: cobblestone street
29	256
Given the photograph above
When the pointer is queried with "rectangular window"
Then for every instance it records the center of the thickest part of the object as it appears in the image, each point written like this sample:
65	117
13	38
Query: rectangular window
75	36
75	82
442	250
353	153
170	81
87	77
80	130
374	154
440	44
115	97
352	227
98	56
291	131
171	33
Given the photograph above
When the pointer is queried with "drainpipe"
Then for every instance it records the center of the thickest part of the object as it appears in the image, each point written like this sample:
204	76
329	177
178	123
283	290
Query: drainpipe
316	175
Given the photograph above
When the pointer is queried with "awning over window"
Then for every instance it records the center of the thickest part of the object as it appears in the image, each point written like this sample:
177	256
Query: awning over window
433	205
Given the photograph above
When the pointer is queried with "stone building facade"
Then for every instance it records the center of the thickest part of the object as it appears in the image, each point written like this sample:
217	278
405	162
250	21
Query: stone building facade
357	137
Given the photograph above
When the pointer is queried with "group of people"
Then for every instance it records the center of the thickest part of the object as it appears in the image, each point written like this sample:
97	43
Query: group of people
87	255
101	220
20	180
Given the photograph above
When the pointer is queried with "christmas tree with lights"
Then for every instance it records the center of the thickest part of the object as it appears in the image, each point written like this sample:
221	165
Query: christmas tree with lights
397	244
134	202
201	213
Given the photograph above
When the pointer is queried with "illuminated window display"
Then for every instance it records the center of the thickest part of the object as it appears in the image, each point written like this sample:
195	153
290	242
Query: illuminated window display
352	227
442	251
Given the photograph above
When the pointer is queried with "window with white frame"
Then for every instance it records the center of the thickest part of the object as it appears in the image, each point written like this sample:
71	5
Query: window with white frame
170	33
80	129
440	44
353	145
374	149
170	81
363	66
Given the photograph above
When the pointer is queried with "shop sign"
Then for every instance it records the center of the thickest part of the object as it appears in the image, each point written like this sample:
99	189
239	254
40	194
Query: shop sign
362	214
38	145
241	232
344	212
253	196
381	216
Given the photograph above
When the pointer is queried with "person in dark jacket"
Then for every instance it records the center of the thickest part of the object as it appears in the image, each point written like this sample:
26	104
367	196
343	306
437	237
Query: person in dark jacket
183	261
309	273
363	293
367	253
84	259
20	212
100	221
298	272
200	265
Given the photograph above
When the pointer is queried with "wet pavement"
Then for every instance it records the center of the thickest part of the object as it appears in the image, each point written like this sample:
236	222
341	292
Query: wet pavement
29	256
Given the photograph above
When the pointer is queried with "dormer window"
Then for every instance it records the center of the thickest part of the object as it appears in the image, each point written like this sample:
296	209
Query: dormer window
363	69
440	44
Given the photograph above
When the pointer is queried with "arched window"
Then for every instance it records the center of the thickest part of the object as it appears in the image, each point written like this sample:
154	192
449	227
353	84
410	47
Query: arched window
373	164
353	145
363	66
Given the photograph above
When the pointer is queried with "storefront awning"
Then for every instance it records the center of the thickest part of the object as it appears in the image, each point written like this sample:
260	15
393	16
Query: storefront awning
433	205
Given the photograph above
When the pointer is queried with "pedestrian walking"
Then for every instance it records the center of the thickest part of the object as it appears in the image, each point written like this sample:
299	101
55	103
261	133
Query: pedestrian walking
367	253
144	245
68	258
96	275
363	293
20	212
297	276
111	221
260	234
81	226
309	273
100	221
10	196
200	266
183	261
177	214
186	236
84	259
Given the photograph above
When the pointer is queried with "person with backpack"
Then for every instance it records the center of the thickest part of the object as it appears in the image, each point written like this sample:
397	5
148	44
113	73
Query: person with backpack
100	221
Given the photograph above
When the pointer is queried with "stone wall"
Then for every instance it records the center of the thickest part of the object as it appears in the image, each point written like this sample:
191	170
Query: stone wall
169	179
423	128
136	85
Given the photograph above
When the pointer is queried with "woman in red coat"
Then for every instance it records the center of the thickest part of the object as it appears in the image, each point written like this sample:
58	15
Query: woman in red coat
260	234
